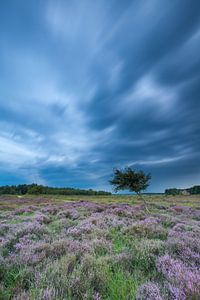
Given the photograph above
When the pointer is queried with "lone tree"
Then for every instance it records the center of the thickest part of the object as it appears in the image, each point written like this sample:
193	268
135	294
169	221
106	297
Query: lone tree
128	179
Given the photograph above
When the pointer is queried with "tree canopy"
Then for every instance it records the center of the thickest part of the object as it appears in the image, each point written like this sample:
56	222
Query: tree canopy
195	190
36	189
129	179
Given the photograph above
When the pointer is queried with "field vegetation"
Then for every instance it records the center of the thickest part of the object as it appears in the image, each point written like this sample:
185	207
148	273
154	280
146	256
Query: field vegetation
99	247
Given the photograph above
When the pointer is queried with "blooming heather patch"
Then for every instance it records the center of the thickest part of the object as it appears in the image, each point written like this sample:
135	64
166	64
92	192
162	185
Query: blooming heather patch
179	275
184	243
83	250
149	291
150	227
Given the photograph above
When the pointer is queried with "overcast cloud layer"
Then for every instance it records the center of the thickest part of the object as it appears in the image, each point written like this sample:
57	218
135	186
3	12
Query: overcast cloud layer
86	86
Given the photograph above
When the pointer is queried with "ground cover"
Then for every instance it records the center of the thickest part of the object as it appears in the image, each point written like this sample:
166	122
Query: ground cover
99	247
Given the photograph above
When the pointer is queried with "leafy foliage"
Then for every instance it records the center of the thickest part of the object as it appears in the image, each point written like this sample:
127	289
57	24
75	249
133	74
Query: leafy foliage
36	189
172	191
195	190
128	179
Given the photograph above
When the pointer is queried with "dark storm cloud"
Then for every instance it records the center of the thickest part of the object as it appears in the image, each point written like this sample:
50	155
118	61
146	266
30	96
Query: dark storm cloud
88	86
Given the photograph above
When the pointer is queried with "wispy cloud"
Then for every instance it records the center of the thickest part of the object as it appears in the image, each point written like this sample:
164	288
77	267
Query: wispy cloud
92	85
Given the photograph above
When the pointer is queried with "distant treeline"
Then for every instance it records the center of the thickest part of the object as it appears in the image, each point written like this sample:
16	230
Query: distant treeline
195	190
34	189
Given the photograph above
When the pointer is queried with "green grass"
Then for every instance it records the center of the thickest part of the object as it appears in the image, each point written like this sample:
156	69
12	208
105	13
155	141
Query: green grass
154	201
120	286
115	272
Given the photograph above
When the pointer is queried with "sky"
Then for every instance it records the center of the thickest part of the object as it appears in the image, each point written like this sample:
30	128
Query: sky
88	86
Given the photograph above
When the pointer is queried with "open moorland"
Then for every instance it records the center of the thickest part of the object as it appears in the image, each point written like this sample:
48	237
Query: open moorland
103	247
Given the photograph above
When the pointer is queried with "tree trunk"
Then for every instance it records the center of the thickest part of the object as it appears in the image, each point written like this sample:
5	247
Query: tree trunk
144	201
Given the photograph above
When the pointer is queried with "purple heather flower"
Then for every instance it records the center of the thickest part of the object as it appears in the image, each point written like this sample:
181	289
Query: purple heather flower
149	291
185	244
176	292
179	275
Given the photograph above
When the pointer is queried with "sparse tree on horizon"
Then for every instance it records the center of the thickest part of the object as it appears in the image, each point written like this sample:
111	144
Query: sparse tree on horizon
131	180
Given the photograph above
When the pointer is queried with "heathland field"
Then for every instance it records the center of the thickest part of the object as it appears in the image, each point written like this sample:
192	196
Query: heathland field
94	248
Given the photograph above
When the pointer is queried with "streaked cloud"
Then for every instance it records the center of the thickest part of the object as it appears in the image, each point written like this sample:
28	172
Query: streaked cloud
88	86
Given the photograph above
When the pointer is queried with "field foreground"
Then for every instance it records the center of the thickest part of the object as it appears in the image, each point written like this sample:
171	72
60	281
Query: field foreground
54	248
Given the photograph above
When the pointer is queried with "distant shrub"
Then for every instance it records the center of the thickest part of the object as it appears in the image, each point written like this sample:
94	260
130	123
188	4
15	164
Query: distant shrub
172	191
36	189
